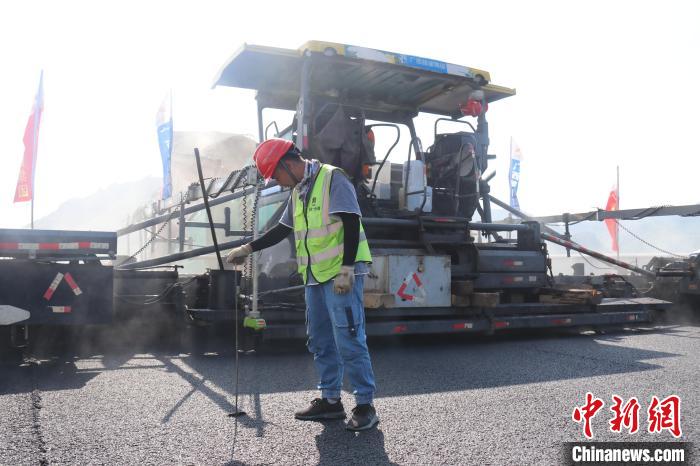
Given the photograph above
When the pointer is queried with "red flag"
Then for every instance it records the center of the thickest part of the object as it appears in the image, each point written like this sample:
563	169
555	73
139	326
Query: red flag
611	223
25	183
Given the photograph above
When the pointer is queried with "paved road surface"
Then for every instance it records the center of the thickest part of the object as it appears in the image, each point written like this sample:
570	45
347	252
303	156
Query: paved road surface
490	400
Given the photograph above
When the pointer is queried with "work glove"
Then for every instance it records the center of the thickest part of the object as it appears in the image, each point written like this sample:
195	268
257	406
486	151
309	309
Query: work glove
345	279
237	255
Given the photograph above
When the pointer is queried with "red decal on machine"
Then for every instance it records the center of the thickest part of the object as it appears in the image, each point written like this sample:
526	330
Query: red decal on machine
419	295
52	287
462	325
73	286
401	293
416	279
61	309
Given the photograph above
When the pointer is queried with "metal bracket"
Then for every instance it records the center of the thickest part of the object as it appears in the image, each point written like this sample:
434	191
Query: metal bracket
567	233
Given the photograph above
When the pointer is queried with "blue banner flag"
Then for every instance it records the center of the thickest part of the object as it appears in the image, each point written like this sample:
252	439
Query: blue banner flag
164	125
516	157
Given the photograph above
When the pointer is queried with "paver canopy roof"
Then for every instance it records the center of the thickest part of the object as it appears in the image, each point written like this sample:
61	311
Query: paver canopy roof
369	78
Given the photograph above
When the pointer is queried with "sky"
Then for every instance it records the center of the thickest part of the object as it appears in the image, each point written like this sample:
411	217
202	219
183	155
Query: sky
599	85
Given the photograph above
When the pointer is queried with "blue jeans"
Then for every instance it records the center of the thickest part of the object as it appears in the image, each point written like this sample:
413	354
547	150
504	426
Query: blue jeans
335	325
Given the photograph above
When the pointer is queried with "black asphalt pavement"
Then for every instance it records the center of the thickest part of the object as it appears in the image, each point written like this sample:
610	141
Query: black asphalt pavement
505	399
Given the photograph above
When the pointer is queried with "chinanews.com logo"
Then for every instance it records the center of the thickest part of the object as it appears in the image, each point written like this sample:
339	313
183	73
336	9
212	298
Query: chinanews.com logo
630	417
627	453
661	415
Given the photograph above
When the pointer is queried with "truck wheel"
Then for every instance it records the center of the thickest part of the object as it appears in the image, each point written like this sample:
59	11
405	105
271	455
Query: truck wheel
8	354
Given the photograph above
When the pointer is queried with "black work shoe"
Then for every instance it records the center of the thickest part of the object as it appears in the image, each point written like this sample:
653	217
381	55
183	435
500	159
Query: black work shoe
320	408
363	417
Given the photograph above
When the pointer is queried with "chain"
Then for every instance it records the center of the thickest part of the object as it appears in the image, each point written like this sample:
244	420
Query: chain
247	263
649	211
249	225
255	204
254	217
646	242
155	235
158	232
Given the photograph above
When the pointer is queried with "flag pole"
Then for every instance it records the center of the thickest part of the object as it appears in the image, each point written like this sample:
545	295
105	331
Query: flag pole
617	224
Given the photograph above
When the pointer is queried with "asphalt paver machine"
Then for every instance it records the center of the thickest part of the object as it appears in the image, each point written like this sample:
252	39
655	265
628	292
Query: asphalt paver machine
440	263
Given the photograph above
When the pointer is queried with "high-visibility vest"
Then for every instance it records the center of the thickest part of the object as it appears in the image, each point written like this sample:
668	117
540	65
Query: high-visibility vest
318	236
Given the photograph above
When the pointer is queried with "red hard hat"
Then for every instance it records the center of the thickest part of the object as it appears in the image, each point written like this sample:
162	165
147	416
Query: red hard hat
268	155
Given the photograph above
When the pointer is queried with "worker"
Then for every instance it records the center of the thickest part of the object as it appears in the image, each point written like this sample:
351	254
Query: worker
332	257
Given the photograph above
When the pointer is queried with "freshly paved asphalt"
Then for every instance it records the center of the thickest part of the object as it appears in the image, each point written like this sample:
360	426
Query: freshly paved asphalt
487	400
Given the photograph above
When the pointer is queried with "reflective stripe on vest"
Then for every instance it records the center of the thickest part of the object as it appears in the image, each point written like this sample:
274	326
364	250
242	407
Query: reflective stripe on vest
328	253
318	232
324	231
323	235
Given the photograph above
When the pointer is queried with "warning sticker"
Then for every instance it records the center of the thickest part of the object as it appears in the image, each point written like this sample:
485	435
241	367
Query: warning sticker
73	286
52	287
57	281
60	309
417	292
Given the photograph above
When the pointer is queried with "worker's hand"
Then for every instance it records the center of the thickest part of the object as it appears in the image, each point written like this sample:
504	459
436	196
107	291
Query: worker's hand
345	279
237	255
